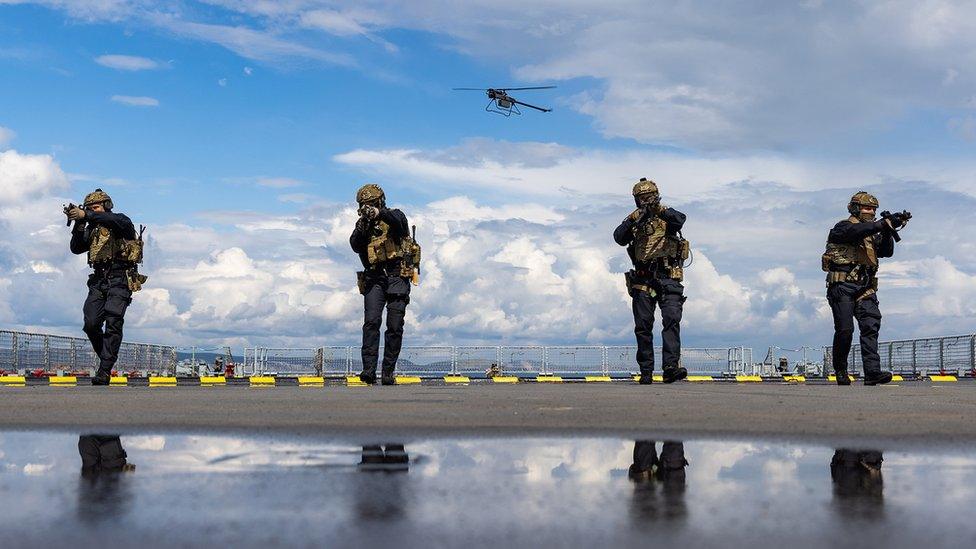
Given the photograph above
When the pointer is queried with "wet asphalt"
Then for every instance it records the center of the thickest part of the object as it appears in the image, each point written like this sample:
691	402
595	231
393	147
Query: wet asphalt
903	413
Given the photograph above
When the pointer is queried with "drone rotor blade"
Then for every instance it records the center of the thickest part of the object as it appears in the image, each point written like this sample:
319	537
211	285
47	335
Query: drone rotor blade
529	106
529	88
470	89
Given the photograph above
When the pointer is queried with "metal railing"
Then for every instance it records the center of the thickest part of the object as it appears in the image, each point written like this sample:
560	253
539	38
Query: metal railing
24	353
955	355
477	360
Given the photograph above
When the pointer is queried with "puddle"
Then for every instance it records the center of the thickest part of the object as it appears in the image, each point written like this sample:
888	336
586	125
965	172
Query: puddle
190	490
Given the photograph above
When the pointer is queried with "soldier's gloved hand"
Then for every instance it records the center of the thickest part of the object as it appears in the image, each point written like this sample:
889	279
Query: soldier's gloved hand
76	214
897	221
370	212
636	214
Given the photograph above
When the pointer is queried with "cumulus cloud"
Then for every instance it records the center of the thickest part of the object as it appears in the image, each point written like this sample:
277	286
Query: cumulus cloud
25	176
126	62
136	101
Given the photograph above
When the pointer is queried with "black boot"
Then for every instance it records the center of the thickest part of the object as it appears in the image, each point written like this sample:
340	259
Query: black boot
388	379
369	378
102	378
674	373
843	378
877	378
646	379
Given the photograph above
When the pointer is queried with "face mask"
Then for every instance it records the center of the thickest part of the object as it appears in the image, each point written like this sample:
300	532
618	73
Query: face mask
867	217
649	199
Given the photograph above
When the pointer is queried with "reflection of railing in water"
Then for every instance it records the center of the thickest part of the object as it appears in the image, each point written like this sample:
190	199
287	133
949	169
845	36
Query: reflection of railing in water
28	352
954	355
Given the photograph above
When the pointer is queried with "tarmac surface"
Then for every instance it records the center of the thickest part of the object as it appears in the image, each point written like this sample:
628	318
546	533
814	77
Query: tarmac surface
905	413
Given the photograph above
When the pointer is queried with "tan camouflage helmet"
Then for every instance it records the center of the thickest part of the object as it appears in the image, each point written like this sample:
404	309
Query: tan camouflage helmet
645	186
369	192
96	197
859	199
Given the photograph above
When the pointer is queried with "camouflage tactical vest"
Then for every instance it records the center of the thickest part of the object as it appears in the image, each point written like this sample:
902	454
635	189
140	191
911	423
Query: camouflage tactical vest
856	260
651	243
383	248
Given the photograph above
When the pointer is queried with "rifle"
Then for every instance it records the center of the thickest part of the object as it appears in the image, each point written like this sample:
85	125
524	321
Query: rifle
68	208
898	218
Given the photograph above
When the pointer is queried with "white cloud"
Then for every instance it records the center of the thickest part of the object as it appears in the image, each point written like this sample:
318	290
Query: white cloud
25	176
248	71
126	62
136	101
6	136
222	82
279	182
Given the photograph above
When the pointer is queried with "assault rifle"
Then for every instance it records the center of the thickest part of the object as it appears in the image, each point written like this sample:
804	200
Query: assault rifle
68	208
898	218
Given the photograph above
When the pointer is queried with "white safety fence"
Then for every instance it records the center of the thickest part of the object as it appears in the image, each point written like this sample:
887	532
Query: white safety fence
30	353
954	355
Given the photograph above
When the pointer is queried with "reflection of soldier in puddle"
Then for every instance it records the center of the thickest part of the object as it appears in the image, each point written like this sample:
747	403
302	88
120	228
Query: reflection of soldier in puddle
659	482
102	494
386	500
858	488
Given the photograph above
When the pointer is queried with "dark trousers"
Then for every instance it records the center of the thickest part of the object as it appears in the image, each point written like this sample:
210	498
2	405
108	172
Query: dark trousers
394	293
846	309
669	297
108	298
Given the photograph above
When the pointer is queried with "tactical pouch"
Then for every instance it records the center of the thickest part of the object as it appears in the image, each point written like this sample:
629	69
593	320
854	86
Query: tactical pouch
676	272
135	280
685	250
132	250
361	281
629	281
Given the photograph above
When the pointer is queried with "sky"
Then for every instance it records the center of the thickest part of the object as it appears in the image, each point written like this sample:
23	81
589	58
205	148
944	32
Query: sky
238	132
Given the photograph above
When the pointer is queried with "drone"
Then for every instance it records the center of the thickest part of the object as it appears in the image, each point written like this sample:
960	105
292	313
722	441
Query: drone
499	102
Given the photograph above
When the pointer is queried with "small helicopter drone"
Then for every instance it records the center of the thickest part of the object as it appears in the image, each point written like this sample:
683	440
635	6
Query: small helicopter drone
506	105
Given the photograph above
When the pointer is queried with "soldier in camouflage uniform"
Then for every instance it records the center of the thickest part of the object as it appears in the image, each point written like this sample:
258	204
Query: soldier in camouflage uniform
390	258
854	246
652	236
114	250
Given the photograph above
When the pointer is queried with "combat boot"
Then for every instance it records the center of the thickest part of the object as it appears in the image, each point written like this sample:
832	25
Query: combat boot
388	379
101	377
646	379
877	378
367	378
674	373
843	378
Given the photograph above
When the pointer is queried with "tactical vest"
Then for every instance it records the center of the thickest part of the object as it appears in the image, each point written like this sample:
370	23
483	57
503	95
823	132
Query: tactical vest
383	248
104	248
651	244
851	262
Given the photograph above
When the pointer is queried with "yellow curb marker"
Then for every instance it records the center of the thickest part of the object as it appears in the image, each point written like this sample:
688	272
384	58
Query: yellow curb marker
749	379
655	377
598	379
354	381
13	381
118	380
897	378
213	380
457	379
832	377
262	381
505	379
794	379
942	378
549	379
311	381
700	378
162	381
407	380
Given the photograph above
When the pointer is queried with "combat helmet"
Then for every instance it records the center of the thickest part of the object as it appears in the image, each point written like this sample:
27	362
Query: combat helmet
645	186
861	198
97	196
370	192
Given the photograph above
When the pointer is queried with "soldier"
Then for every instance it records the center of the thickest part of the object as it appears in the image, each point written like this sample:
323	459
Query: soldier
657	250
114	250
854	246
390	258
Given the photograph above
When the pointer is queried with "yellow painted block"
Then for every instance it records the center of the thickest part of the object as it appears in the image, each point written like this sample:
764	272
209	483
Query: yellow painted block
897	378
311	380
832	377
505	379
62	380
700	378
407	380
118	380
354	381
12	380
161	380
457	379
942	378
262	381
598	378
795	379
749	379
213	380
549	379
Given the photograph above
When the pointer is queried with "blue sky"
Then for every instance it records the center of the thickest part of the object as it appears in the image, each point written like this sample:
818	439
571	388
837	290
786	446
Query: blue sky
239	131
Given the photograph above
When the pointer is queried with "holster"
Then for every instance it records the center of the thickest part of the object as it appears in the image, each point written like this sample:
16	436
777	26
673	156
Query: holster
135	280
361	282
630	277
